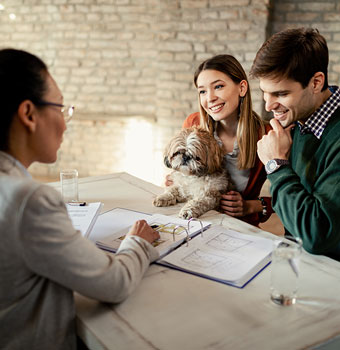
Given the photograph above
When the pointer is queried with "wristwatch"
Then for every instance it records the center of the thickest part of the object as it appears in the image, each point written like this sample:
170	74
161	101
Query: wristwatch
274	164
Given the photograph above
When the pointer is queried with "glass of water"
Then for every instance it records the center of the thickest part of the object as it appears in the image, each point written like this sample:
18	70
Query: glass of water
69	185
285	270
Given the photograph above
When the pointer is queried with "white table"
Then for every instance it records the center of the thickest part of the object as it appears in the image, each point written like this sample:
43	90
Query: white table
175	310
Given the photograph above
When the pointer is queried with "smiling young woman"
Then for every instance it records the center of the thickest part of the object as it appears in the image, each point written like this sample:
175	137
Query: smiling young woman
225	110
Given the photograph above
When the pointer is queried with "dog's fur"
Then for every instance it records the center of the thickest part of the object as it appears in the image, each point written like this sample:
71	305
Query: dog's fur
199	177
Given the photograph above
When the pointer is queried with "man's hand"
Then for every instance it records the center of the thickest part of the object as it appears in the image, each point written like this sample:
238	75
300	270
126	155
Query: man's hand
276	144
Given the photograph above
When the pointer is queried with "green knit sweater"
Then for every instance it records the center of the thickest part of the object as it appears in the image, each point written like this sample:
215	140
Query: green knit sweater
306	194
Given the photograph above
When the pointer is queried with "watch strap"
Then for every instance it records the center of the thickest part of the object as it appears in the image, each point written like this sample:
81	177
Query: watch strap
274	164
281	161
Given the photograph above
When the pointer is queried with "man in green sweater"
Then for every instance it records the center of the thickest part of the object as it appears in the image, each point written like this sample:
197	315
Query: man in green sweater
302	152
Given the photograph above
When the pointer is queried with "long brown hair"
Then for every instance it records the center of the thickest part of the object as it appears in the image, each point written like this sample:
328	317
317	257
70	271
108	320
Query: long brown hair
249	122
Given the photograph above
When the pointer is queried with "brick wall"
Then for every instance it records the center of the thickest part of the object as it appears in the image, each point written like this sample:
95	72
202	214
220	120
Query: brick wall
321	14
127	65
122	60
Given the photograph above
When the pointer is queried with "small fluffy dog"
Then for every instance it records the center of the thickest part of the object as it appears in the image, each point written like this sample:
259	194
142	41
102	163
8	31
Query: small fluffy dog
199	177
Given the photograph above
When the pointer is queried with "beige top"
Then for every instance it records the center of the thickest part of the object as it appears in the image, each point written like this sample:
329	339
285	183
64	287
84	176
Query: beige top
43	259
240	177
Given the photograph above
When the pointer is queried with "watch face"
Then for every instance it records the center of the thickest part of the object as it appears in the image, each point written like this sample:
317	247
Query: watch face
271	166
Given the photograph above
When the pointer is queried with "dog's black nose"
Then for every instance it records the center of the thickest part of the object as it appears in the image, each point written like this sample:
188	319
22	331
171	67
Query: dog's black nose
185	158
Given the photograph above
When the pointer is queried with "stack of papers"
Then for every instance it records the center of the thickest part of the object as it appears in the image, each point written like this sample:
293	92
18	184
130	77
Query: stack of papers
84	217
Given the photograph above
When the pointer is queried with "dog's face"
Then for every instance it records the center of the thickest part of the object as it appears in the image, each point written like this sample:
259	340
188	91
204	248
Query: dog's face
194	152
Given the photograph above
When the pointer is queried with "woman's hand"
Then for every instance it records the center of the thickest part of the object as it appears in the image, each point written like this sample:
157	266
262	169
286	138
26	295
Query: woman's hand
233	204
141	229
168	180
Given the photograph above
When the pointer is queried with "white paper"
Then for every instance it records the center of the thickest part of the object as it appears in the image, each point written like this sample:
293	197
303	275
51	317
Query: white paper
223	254
84	217
113	221
165	225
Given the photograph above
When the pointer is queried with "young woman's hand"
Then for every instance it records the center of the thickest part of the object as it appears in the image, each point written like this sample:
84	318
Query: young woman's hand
142	229
233	204
168	181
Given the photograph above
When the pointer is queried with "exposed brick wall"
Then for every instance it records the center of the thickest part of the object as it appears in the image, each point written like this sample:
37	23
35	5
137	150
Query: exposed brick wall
121	59
321	14
96	147
116	59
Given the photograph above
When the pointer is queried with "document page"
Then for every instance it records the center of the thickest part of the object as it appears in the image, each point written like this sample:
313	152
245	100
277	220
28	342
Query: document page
223	254
173	232
113	221
84	217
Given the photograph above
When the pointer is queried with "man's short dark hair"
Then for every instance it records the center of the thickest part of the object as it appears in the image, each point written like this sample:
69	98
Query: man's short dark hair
295	54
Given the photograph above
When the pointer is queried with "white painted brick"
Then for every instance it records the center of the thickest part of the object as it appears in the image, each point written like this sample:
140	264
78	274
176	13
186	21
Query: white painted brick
216	48
191	4
203	56
317	6
223	3
175	46
305	17
210	15
199	48
190	15
186	56
119	58
228	14
196	37
241	25
210	26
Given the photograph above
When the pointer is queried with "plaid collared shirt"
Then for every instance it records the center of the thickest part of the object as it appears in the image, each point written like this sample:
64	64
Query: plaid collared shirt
317	122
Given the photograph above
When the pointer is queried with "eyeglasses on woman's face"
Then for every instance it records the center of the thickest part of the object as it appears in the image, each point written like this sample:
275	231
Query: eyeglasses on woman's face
66	110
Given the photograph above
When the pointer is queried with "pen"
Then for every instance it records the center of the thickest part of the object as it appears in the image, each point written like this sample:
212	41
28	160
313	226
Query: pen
79	204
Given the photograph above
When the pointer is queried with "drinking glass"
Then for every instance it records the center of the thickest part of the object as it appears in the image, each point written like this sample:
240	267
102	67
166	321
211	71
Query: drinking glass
69	185
285	270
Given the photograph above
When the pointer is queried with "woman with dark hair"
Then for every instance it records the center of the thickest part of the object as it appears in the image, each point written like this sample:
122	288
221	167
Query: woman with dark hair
43	258
226	112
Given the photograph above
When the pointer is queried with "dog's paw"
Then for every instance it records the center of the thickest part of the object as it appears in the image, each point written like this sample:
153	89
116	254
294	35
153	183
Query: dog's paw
163	201
186	213
158	202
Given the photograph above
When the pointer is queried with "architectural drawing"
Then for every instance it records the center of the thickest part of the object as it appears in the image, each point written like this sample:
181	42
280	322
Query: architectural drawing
228	243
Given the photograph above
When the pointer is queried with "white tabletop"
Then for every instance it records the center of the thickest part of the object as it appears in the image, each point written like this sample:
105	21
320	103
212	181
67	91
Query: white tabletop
175	310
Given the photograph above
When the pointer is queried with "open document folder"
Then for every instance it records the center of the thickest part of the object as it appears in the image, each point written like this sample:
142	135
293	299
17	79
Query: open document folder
222	255
219	254
173	231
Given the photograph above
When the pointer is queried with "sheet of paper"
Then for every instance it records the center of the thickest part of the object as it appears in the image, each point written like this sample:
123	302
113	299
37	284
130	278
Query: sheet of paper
84	217
223	254
113	221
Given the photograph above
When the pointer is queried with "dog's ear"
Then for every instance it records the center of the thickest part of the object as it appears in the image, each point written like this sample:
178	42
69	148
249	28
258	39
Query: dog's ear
166	162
